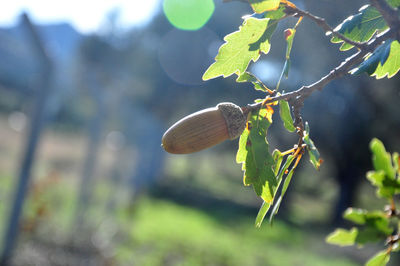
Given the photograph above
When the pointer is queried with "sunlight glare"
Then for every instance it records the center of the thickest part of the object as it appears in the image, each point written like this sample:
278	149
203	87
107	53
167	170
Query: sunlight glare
86	16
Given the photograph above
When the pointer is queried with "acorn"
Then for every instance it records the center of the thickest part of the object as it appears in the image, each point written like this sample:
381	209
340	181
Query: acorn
204	129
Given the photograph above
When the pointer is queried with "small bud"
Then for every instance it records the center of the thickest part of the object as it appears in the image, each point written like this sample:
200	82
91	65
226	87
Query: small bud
287	33
204	129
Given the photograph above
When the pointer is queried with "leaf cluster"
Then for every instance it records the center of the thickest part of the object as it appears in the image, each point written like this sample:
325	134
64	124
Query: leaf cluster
361	28
270	173
374	226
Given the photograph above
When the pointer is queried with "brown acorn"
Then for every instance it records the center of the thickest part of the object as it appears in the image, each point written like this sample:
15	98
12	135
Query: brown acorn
204	129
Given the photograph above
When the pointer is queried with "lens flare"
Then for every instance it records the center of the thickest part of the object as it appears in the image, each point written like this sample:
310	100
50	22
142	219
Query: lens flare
188	14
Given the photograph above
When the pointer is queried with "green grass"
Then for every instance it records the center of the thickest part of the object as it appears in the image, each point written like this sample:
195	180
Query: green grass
163	233
6	193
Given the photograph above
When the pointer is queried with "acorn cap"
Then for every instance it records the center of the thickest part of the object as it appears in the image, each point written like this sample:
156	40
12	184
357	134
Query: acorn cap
204	129
236	120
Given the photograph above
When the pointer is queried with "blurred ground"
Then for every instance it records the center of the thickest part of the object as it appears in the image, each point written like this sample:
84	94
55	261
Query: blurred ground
196	216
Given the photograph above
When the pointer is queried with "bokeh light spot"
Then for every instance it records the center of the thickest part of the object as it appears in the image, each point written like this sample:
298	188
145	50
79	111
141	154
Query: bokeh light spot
188	14
184	55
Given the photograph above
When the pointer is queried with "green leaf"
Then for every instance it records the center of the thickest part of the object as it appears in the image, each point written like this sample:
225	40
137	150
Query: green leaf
282	171
312	150
249	77
285	167
246	77
254	155
370	64
396	160
261	213
276	14
260	6
284	189
369	235
342	237
386	187
289	36
278	158
384	61
392	65
286	68
289	40
286	117
241	47
376	178
355	215
242	150
379	179
360	27
287	182
380	259
381	159
375	220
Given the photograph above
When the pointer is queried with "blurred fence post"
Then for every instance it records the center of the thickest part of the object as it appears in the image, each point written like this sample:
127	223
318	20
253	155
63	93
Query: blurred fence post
94	139
147	143
36	124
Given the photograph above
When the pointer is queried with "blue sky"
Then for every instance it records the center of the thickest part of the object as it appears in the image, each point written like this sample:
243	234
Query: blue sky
85	16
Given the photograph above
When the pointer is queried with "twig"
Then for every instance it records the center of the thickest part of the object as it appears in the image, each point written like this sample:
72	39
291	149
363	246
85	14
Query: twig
321	22
390	15
297	97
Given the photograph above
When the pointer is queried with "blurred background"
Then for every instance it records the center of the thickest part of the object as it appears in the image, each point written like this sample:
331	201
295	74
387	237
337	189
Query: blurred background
87	90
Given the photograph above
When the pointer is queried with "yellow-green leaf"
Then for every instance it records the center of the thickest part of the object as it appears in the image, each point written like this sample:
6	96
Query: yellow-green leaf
360	27
249	77
241	47
343	237
261	213
312	150
380	259
260	6
253	153
382	159
384	61
392	65
286	117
